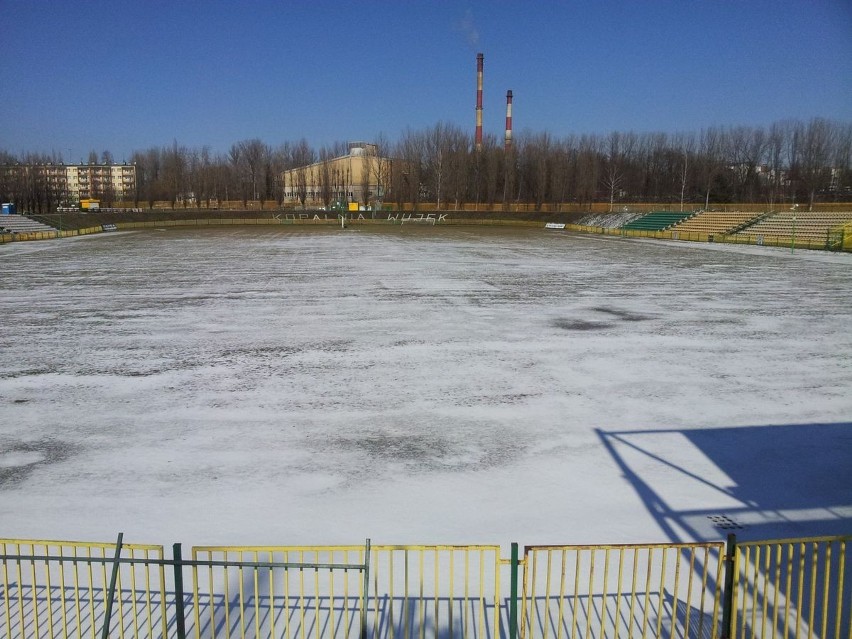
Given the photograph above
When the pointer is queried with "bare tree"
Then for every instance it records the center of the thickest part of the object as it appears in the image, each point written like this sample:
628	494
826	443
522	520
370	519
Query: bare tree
744	153
588	168
436	139
381	166
536	159
412	151
563	176
654	168
281	162
510	172
174	173
805	160
842	184
148	175
205	181
199	175
684	147
324	175
775	154
488	170
303	156
710	163
812	144
460	163
235	157
613	176
223	179
250	160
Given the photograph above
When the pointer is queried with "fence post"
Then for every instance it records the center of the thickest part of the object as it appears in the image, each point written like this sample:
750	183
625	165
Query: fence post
728	591
112	581
180	618
365	602
513	594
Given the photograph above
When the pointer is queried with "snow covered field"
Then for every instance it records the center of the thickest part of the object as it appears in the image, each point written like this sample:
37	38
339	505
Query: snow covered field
285	385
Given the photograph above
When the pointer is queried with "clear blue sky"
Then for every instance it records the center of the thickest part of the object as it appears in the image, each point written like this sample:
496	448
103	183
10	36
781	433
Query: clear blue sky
92	74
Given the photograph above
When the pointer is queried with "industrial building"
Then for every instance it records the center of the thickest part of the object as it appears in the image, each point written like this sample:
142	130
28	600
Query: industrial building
361	176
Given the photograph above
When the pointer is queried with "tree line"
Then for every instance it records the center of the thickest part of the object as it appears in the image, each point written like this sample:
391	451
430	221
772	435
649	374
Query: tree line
788	161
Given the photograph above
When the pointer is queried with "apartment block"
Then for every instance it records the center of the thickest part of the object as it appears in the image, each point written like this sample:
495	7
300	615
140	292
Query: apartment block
68	183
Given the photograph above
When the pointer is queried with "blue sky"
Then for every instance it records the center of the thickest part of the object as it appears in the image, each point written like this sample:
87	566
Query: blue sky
88	74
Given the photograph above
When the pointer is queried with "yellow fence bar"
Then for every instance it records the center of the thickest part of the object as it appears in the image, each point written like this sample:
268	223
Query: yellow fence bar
415	592
649	590
793	588
782	589
304	592
425	591
58	589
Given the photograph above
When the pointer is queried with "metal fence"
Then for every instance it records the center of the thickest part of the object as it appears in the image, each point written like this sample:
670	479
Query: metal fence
769	589
265	591
793	588
62	589
657	590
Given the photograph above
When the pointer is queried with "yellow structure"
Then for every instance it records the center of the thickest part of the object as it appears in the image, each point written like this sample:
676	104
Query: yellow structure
762	588
361	176
791	588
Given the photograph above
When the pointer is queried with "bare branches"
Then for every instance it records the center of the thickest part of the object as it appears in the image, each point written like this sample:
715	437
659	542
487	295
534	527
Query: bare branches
790	161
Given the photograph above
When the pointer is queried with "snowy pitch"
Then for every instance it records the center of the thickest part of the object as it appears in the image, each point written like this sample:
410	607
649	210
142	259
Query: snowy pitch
421	385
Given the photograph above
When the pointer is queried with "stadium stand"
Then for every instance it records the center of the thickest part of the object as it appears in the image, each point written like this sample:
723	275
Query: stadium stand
657	220
805	225
21	224
609	220
716	222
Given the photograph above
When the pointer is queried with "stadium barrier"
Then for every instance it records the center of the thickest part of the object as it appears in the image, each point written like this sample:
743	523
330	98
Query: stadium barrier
769	589
692	236
844	243
54	588
840	238
673	590
47	235
514	207
792	588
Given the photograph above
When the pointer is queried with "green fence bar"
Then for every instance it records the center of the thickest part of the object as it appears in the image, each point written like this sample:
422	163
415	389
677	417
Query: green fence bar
112	581
180	617
513	594
728	590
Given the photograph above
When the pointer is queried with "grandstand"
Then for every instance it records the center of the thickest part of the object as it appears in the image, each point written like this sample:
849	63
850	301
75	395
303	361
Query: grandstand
657	220
609	220
716	222
804	225
21	224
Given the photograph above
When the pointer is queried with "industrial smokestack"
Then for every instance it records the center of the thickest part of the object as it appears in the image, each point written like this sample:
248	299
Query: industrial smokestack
479	64
508	119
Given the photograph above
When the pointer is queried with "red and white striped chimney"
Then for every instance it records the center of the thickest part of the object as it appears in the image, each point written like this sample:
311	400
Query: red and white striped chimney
479	64
508	119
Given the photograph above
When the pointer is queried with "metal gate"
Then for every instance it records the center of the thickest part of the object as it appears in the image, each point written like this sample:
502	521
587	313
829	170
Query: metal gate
646	590
293	592
768	589
82	589
344	592
793	588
